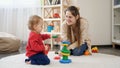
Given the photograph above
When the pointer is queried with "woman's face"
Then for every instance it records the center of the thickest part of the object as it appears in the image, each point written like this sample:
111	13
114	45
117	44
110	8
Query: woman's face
70	18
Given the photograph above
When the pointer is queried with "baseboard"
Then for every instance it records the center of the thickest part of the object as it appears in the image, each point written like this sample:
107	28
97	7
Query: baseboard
102	45
106	46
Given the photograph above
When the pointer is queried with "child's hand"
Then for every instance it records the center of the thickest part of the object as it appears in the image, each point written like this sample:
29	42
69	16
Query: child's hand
46	47
49	35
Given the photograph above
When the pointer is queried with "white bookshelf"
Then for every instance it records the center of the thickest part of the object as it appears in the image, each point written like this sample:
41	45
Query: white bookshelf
115	22
50	7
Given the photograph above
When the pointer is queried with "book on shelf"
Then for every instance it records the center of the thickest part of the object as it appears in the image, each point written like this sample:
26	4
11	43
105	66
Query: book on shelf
116	2
53	2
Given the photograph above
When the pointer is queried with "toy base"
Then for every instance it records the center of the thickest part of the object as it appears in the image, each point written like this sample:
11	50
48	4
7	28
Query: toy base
65	61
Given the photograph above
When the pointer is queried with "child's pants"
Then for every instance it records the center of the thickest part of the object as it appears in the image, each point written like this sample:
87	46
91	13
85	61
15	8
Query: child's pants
39	59
79	51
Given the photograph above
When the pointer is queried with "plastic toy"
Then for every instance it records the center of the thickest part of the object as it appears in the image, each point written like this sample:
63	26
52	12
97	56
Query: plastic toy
56	15
51	24
87	53
50	28
57	57
54	36
94	50
65	53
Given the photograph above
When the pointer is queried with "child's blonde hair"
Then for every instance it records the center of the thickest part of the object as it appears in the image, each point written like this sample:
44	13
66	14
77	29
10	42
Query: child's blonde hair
34	20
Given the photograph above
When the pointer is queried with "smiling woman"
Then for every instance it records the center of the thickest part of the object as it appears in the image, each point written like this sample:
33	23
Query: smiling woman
75	30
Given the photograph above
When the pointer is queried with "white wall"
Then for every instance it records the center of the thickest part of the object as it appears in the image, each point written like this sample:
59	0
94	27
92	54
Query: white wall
19	3
14	15
98	14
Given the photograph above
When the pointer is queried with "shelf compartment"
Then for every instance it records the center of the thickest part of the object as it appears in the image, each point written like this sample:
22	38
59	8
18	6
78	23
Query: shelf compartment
56	44
54	28
52	13
117	16
116	2
116	32
56	2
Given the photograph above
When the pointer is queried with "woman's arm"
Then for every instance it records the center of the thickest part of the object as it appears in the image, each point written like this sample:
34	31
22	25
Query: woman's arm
85	33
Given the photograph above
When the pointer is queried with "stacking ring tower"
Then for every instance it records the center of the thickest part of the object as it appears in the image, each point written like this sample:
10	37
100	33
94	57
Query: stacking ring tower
65	53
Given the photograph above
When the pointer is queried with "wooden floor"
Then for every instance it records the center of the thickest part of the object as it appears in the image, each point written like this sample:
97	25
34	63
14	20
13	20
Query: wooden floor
102	49
110	50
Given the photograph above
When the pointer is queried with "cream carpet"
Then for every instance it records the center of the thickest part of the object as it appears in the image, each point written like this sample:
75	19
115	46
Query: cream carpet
96	60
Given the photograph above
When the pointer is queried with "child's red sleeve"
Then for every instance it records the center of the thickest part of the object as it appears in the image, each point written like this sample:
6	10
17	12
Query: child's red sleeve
45	36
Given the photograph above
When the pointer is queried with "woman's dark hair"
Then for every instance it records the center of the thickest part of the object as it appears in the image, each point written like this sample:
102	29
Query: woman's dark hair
77	33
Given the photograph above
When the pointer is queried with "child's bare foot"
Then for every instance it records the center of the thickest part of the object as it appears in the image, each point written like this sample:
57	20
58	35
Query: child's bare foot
28	62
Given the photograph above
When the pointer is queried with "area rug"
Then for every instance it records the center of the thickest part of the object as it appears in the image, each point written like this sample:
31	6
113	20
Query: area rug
96	60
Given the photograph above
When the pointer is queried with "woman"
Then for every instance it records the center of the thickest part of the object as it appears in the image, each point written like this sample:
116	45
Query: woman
75	30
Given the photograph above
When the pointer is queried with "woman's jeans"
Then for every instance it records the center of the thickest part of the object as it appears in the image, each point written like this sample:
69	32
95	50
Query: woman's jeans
79	51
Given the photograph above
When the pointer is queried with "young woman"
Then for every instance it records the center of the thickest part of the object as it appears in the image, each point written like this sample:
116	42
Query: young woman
75	30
